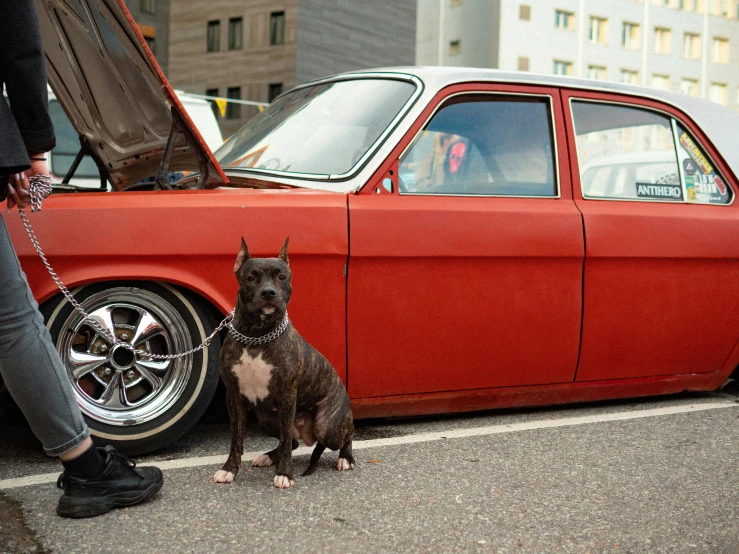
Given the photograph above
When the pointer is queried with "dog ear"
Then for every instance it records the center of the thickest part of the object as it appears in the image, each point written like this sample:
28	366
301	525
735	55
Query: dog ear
242	256
283	252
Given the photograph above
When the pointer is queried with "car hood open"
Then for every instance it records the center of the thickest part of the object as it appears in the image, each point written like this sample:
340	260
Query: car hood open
116	96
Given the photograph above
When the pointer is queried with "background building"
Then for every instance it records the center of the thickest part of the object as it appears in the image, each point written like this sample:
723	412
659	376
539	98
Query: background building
689	46
256	49
152	17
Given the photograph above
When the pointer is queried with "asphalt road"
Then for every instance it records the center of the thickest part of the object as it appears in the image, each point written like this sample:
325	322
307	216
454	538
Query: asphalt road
656	475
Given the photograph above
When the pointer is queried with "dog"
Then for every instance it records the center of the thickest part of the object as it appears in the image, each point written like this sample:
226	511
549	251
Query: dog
293	389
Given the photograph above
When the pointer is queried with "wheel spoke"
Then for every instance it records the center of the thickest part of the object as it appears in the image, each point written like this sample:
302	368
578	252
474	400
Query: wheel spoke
154	381
114	395
104	317
154	365
146	328
83	363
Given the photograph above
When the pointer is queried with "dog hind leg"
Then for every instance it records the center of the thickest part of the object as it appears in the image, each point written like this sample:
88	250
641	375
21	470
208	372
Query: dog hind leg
346	459
317	451
269	458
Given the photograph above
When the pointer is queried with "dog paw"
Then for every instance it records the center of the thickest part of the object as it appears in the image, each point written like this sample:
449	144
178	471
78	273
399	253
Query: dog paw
344	465
263	461
283	482
222	476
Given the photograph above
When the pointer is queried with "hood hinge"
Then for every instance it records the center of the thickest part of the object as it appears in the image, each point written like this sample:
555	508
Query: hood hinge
179	127
86	150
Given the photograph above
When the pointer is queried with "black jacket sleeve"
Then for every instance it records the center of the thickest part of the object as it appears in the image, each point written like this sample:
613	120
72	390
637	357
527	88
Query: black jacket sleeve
26	124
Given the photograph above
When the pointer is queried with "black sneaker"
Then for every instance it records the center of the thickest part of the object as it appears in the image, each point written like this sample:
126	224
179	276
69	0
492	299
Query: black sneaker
121	484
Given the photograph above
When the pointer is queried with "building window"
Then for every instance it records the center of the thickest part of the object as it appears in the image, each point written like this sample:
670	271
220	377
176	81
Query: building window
214	36
662	41
233	110
235	33
523	63
564	20
598	30
661	81
692	5
720	50
692	46
148	6
274	90
719	93
562	68
689	86
455	48
214	93
524	12
277	28
596	72
630	76
721	8
631	36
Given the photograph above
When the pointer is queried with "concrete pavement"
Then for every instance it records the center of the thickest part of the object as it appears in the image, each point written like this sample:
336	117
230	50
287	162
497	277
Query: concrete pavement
660	483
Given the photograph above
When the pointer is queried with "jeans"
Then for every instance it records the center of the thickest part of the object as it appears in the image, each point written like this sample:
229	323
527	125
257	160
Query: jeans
30	365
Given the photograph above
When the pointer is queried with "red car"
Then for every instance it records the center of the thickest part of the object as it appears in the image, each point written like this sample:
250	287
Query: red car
460	239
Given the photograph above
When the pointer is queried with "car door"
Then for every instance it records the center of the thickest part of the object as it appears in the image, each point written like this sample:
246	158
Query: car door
466	251
661	280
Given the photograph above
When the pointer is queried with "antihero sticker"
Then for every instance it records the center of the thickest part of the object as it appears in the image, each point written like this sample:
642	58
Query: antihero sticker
695	153
665	192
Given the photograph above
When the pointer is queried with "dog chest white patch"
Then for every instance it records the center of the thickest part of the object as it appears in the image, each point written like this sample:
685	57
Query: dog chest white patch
253	375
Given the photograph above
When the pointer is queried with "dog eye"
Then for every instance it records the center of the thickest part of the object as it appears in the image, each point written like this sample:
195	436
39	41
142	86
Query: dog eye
250	278
282	277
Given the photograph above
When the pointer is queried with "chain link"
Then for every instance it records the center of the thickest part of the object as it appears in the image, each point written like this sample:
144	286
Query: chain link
251	341
40	189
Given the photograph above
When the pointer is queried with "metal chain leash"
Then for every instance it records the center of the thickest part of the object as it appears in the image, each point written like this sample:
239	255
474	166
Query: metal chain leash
272	335
40	189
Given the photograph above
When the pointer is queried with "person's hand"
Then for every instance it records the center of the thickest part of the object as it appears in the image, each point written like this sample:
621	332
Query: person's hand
18	191
19	186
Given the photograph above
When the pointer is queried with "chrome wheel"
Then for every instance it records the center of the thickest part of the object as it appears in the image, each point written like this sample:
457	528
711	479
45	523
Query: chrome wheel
112	384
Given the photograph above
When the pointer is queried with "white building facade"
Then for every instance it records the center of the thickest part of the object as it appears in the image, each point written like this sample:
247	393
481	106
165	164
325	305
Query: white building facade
689	46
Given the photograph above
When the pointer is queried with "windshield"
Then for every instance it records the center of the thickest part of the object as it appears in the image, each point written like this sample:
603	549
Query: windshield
321	130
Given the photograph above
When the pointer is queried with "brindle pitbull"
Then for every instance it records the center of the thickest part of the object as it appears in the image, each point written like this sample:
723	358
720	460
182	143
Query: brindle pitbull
293	389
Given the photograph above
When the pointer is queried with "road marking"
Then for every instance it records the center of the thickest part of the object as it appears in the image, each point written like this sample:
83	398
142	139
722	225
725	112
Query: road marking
412	439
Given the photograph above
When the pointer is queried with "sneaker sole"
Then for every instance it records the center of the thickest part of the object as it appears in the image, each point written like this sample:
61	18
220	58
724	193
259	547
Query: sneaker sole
80	507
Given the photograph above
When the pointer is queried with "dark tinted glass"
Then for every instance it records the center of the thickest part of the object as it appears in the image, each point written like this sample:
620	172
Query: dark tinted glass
277	28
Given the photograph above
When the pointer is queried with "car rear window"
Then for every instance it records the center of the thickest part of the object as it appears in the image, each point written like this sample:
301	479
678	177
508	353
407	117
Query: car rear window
628	153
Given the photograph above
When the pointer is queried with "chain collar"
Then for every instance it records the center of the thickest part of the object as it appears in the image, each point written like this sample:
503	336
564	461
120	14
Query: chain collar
250	341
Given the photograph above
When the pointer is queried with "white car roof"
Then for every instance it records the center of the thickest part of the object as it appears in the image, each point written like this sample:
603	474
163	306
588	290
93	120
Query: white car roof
719	123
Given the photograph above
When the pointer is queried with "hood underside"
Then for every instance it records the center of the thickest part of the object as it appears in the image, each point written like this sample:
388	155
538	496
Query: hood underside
115	94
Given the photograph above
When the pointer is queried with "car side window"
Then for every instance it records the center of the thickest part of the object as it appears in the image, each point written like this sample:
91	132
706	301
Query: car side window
628	153
703	184
486	145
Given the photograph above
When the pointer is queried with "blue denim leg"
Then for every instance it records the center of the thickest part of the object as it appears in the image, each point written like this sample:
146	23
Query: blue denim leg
29	363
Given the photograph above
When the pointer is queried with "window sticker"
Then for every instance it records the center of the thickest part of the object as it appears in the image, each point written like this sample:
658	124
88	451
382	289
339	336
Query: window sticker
663	192
694	153
703	185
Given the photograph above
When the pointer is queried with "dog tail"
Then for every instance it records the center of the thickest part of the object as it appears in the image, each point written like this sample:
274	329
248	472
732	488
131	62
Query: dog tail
317	451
